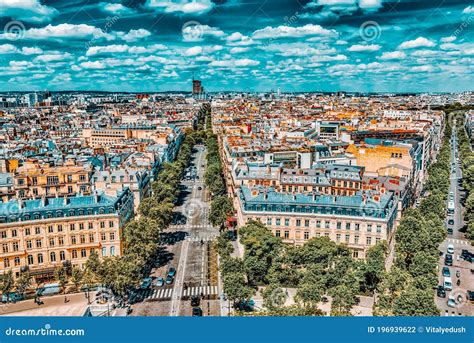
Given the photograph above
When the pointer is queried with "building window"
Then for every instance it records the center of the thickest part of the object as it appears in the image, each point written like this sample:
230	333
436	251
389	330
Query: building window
81	226
355	254
60	228
269	221
326	234
357	226
379	229
91	238
377	240
369	240
51	242
30	259
326	224
348	237
102	236
50	229
338	225
72	227
111	223
17	261
356	239
37	230
112	251
278	221
112	236
60	240
27	232
306	222
102	225
287	222
318	224
74	254
91	226
277	233
348	226
104	251
73	239
29	245
39	243
16	246
287	234
40	258
52	256
62	256
298	222
6	262
14	233
5	248
83	253
306	235
369	227
338	237
83	239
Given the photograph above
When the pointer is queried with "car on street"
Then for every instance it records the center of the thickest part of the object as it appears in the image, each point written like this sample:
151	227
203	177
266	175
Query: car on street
458	273
450	249
159	282
448	284
146	283
446	272
451	196
169	280
451	222
440	292
451	301
197	312
449	230
195	301
171	272
448	260
470	296
467	255
199	188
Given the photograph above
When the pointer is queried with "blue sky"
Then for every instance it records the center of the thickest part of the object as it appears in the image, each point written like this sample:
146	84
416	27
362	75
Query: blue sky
294	45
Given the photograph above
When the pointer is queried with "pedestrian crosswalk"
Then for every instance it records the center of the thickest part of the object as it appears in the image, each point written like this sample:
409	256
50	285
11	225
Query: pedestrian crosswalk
202	290
198	239
198	226
158	293
457	241
166	293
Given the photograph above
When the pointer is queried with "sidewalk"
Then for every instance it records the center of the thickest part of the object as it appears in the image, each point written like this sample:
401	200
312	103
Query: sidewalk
53	306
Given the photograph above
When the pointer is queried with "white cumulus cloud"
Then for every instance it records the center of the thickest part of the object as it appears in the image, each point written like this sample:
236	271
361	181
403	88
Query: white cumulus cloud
417	43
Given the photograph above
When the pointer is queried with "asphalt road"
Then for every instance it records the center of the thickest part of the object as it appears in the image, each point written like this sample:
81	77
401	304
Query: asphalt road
190	252
462	307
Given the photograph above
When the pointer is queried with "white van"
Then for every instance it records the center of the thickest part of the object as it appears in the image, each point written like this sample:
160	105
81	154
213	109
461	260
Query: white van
448	284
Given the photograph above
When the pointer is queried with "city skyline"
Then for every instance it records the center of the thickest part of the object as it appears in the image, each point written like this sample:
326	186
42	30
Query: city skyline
295	46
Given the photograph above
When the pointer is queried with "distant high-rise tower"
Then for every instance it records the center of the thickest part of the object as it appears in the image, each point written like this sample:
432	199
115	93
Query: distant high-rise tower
198	89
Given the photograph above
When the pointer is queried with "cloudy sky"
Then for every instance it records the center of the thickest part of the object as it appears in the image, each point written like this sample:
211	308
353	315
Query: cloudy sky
247	45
